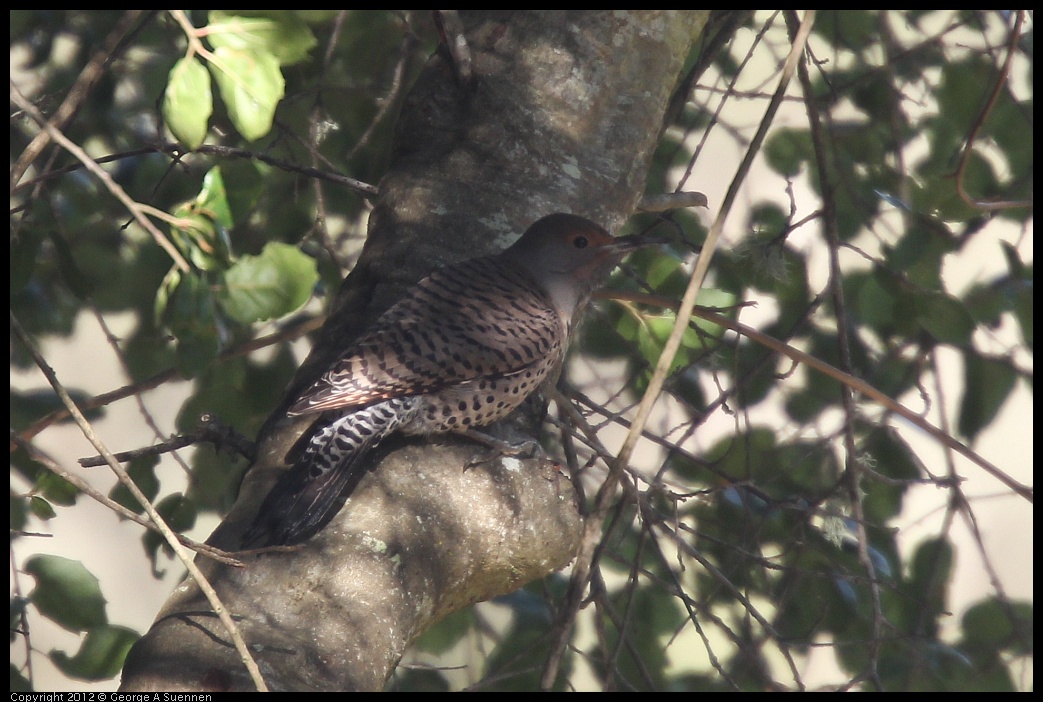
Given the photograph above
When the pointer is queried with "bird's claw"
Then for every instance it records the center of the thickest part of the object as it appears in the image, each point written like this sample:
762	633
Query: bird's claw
528	448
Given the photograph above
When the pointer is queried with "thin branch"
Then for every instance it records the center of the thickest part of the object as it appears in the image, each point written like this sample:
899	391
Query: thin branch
23	617
855	383
114	344
390	97
603	500
211	431
85	487
168	533
852	474
687	304
451	29
171	374
672	201
364	189
113	187
961	170
178	151
77	94
728	92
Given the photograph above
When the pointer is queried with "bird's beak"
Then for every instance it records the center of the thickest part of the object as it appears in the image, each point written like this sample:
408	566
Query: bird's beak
626	244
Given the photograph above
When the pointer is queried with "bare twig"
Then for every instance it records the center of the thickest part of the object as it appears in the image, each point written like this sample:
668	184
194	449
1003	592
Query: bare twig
113	187
77	94
852	475
671	201
603	500
364	189
451	27
1001	80
386	102
210	431
171	374
85	487
855	383
168	533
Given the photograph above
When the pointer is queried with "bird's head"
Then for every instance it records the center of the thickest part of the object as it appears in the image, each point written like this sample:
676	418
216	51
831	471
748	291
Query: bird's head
569	257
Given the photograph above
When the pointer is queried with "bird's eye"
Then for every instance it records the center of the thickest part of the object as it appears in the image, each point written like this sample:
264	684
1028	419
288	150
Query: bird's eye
580	242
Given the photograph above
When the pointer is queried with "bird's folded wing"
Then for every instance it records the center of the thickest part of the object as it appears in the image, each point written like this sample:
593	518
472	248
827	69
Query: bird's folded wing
475	320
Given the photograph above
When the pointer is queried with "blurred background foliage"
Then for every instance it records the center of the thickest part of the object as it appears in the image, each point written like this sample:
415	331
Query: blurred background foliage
735	559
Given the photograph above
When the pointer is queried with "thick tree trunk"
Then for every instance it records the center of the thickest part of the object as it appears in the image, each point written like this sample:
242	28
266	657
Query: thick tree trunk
561	115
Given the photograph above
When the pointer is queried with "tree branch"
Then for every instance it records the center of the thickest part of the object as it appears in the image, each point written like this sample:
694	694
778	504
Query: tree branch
562	114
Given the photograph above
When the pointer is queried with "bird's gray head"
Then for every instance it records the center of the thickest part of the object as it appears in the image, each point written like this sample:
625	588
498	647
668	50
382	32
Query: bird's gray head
569	257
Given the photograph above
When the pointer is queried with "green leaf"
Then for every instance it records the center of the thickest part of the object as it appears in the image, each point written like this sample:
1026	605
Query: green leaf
213	199
243	187
747	456
658	614
1018	291
273	284
1015	265
200	238
195	352
652	333
758	375
72	273
24	249
666	274
962	89
19	515
945	318
100	656
849	29
871	301
787	150
228	196
66	592
188	102
721	301
57	489
251	86
987	385
804	405
874	96
1022	305
440	638
192	317
143	472
41	508
920	251
930	570
277	32
19	683
986	303
164	294
891	456
316	16
806	467
997	625
179	513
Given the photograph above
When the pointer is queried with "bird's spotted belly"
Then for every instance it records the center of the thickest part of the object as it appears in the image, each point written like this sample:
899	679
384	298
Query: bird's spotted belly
474	403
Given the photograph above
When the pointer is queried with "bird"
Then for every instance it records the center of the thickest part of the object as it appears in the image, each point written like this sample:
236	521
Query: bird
462	348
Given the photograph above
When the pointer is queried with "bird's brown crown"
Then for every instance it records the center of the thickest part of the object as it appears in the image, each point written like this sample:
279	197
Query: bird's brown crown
568	256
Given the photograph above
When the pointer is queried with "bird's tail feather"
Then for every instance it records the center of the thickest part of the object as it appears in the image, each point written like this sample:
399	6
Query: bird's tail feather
322	478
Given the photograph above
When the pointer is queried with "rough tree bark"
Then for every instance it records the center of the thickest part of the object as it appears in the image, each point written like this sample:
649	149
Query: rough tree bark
562	114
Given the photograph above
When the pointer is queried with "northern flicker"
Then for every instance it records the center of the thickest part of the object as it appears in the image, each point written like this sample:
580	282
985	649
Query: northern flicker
463	348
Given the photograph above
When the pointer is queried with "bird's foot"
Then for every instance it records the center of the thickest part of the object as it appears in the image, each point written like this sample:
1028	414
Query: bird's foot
498	448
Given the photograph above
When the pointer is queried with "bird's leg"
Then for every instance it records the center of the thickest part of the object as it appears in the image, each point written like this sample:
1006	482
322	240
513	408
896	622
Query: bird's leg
498	448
